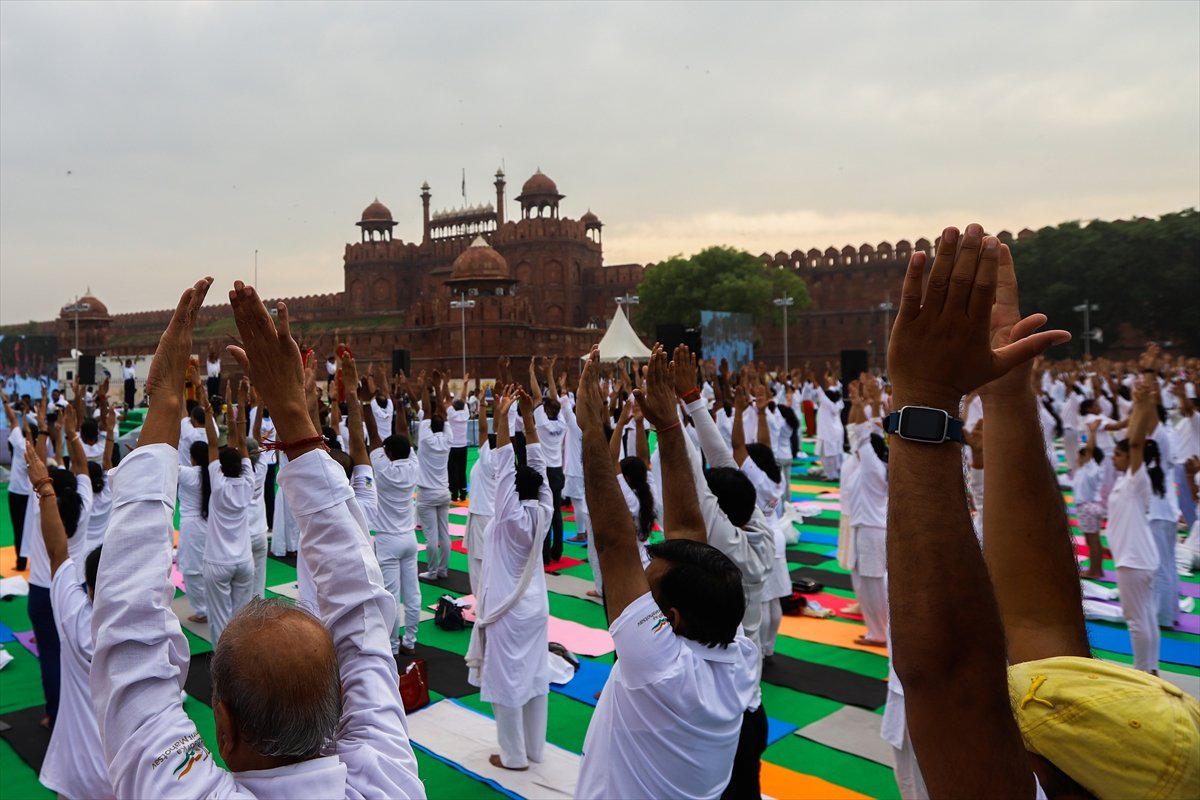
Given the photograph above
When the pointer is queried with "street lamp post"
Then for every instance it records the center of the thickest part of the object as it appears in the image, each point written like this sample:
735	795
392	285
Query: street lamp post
627	300
785	303
1087	307
75	308
462	303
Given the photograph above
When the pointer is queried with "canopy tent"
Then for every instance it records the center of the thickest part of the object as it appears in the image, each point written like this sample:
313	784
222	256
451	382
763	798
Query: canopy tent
620	341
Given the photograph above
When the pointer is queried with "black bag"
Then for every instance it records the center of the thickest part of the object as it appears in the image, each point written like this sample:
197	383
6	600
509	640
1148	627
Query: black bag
807	586
448	616
565	654
793	605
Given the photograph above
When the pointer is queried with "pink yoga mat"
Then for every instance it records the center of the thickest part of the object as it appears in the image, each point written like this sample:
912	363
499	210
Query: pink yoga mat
571	635
177	578
836	603
458	530
26	640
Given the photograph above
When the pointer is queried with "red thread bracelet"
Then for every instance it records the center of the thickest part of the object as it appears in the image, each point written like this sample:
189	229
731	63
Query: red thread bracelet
691	395
670	427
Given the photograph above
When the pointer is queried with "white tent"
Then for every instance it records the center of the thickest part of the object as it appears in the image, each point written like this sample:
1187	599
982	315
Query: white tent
620	341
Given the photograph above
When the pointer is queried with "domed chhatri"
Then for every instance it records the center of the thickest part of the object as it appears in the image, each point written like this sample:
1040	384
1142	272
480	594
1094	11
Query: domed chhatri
376	223
539	183
539	197
87	307
480	262
376	212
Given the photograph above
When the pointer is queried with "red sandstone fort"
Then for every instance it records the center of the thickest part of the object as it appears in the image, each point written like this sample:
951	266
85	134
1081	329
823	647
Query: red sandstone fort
533	285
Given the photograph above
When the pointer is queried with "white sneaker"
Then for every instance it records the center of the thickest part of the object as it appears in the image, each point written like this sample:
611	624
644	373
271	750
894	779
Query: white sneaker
428	576
1186	604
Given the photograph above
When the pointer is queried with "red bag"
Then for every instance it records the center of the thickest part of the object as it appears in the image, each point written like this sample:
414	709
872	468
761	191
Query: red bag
414	686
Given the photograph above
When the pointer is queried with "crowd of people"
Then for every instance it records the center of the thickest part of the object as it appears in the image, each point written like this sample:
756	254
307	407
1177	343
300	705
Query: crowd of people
954	531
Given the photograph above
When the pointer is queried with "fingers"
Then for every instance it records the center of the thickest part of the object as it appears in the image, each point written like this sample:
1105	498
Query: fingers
943	266
983	288
966	266
1006	358
910	293
1006	281
239	355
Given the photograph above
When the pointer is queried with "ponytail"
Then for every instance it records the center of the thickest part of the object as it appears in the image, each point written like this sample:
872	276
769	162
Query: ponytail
205	491
633	469
1152	456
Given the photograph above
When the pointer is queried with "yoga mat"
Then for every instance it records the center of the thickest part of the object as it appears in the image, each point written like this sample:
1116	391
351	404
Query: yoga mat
777	729
827	631
198	683
447	670
784	784
289	559
24	732
575	637
16	586
805	557
6	634
183	610
853	731
465	738
837	580
1188	623
566	562
8	560
809	537
1186	588
292	592
1116	640
458	531
571	586
177	578
26	640
839	685
456	581
837	604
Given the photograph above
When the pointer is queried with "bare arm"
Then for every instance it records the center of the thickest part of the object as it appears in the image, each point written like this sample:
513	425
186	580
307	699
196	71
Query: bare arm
641	438
1142	421
79	464
354	411
110	438
618	434
738	439
210	430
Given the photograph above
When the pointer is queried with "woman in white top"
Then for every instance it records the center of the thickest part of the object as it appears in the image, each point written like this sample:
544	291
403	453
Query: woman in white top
1164	524
195	489
829	428
507	655
74	765
1129	535
101	489
228	560
1086	483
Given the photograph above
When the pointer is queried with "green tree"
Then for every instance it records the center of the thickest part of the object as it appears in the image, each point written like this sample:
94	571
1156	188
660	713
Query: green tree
1145	272
715	279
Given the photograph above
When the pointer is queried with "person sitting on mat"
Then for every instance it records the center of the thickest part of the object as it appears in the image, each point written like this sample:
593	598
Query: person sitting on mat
507	653
335	727
71	768
669	719
998	678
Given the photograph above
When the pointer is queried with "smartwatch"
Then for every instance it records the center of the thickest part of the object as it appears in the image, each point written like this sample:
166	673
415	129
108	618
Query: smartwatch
924	424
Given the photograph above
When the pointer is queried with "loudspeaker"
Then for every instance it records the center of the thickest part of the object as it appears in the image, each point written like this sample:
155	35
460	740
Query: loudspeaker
853	363
401	362
669	336
87	370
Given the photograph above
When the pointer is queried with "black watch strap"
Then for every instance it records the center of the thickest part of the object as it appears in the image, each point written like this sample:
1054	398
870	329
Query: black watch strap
954	427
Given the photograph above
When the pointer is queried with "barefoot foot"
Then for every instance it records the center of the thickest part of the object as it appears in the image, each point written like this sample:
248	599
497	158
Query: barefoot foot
494	760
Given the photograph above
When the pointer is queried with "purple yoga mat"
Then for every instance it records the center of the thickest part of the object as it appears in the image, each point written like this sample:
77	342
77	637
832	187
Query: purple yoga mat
26	640
1188	623
1185	588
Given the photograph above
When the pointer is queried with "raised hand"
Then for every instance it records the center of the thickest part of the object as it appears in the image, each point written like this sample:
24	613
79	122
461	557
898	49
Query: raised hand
590	408
658	398
271	357
164	383
942	345
70	420
684	371
740	400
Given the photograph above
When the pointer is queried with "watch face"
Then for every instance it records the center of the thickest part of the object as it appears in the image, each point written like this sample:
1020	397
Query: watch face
923	424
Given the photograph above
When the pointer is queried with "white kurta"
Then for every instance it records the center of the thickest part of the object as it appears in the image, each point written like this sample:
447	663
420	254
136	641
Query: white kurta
829	425
141	655
515	666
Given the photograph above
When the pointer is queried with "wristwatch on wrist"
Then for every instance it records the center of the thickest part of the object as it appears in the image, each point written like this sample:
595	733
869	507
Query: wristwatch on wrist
924	424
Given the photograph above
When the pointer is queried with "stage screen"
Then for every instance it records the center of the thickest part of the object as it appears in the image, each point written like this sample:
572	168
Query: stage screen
728	335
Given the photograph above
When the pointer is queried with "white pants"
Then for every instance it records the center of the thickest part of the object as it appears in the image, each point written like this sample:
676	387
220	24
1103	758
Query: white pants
397	554
908	772
977	489
772	616
476	525
1071	449
229	586
1136	587
1166	579
832	465
189	557
435	522
1187	552
258	551
872	599
521	731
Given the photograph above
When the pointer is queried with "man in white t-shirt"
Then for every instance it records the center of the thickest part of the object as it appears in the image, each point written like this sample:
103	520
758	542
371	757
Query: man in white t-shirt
457	419
552	431
669	719
433	488
19	487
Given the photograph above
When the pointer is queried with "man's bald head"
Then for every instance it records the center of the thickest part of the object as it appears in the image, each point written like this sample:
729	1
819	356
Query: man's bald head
275	671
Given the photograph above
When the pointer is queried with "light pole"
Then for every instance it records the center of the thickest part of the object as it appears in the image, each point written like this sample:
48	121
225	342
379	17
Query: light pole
1087	307
627	300
462	303
75	308
785	302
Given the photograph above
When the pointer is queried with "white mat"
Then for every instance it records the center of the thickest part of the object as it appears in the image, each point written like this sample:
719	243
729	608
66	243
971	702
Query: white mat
571	586
183	610
467	738
16	586
292	592
852	730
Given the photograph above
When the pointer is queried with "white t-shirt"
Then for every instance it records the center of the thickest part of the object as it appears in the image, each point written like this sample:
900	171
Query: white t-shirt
394	485
128	373
669	719
551	433
98	519
18	479
74	765
433	455
39	559
214	368
1087	482
383	416
190	491
266	434
725	425
229	515
187	435
95	452
864	481
456	421
1129	536
1185	440
483	483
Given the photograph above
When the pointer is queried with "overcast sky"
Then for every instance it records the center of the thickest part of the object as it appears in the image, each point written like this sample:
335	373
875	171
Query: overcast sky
144	145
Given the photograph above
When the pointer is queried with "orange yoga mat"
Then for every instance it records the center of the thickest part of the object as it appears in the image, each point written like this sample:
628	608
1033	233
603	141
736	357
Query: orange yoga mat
827	631
8	563
784	784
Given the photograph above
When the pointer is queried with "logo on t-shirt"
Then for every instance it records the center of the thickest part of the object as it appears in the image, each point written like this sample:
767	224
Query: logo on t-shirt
189	760
190	750
657	618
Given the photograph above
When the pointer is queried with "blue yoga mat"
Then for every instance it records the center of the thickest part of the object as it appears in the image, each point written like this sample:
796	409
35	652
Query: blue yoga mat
6	634
592	676
1116	640
818	538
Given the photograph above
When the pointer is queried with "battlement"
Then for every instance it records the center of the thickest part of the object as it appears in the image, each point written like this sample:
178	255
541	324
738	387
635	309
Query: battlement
865	254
